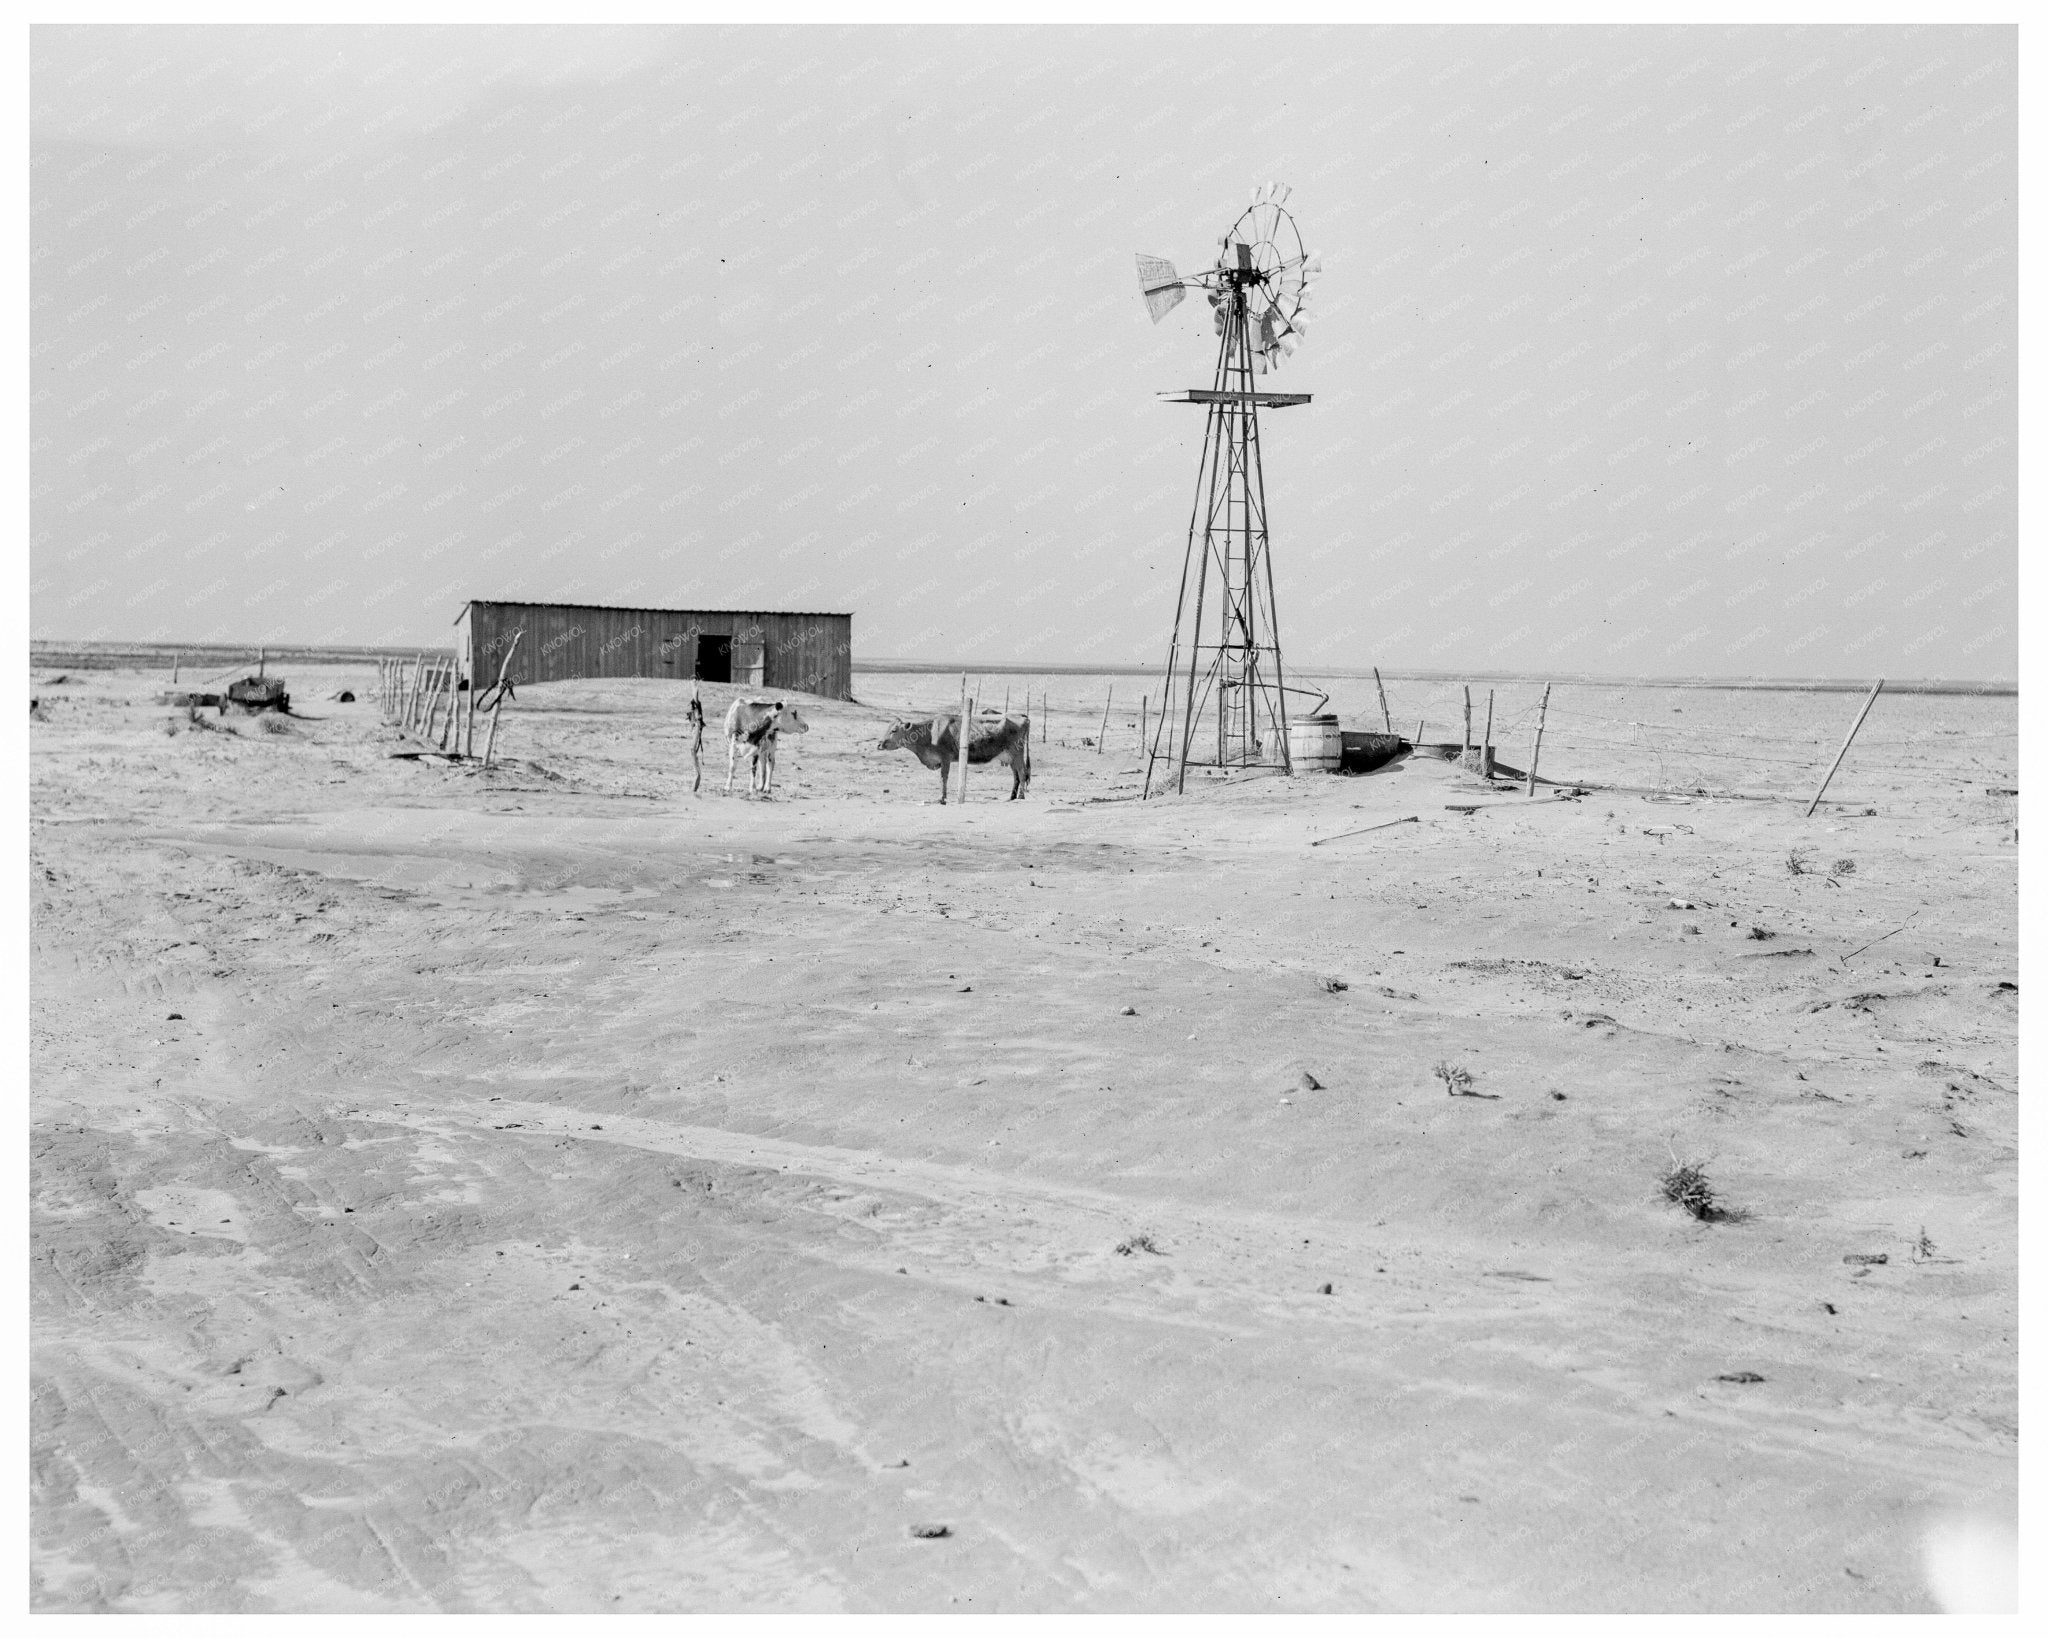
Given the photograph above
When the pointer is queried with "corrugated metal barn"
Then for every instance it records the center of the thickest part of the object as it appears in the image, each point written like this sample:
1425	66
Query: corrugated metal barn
807	653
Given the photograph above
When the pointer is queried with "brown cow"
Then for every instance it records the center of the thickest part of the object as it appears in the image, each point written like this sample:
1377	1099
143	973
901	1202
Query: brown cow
935	742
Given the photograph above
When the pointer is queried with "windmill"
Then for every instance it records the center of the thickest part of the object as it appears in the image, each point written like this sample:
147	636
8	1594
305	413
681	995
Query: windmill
1226	637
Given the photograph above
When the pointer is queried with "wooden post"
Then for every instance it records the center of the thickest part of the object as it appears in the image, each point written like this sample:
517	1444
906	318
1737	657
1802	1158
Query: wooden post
498	702
1844	751
454	705
1103	733
1385	715
1486	741
965	731
696	739
1535	750
412	691
1418	730
1144	703
469	720
1044	715
174	665
259	662
1006	702
1468	723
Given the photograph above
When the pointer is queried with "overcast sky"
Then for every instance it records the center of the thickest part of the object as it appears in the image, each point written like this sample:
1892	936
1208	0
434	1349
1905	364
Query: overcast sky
1639	350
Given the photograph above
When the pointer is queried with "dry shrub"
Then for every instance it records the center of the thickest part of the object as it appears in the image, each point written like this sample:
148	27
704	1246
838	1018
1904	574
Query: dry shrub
1456	1078
1137	1243
1686	1185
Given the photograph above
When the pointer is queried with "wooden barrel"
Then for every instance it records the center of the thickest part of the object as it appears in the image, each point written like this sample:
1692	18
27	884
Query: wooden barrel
1315	744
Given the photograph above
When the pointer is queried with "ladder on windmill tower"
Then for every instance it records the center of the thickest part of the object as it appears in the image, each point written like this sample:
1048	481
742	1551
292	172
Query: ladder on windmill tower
1226	683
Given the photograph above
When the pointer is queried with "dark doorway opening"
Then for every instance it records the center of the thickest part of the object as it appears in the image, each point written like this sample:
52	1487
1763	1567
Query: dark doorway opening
714	659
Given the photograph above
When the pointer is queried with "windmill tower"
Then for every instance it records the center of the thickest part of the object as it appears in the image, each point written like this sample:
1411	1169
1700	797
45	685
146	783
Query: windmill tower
1226	689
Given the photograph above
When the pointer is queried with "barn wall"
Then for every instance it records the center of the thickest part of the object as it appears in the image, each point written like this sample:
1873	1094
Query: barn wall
812	653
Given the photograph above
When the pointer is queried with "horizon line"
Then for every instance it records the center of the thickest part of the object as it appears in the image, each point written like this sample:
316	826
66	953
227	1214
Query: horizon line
344	653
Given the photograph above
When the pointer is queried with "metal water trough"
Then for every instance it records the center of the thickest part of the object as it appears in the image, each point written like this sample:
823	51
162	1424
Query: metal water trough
1365	752
258	694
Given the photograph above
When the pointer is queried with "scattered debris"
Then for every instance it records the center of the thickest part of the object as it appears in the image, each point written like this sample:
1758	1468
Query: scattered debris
1456	1078
931	1532
1872	1259
1411	819
1335	986
1738	1376
1132	1244
901	1461
1842	867
1796	862
1760	933
1308	1082
1128	1012
1326	1290
1559	1096
1881	937
1686	1185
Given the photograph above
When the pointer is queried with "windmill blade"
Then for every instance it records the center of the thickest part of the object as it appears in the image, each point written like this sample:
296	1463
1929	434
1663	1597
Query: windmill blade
1162	286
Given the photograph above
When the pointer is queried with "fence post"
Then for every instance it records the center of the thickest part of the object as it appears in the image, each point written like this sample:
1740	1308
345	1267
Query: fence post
966	731
1486	741
498	703
1536	750
1385	715
1103	733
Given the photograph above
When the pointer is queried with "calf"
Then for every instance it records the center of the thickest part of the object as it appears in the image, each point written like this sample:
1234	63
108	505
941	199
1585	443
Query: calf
936	743
755	724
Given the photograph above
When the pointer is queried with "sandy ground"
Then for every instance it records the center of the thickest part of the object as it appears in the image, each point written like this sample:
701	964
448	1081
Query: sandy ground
550	1191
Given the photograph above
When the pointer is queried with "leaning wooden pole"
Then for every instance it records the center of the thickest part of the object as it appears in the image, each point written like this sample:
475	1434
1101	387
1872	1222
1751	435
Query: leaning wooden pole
1386	716
1486	740
498	693
419	666
1536	750
1468	722
1844	751
1102	733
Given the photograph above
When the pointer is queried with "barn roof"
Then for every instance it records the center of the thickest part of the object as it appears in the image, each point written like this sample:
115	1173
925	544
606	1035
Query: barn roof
616	608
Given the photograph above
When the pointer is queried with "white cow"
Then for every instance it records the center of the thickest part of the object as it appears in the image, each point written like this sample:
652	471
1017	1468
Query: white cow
755	725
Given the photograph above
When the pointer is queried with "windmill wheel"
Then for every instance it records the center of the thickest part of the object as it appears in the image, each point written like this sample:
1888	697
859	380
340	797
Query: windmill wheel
1267	239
